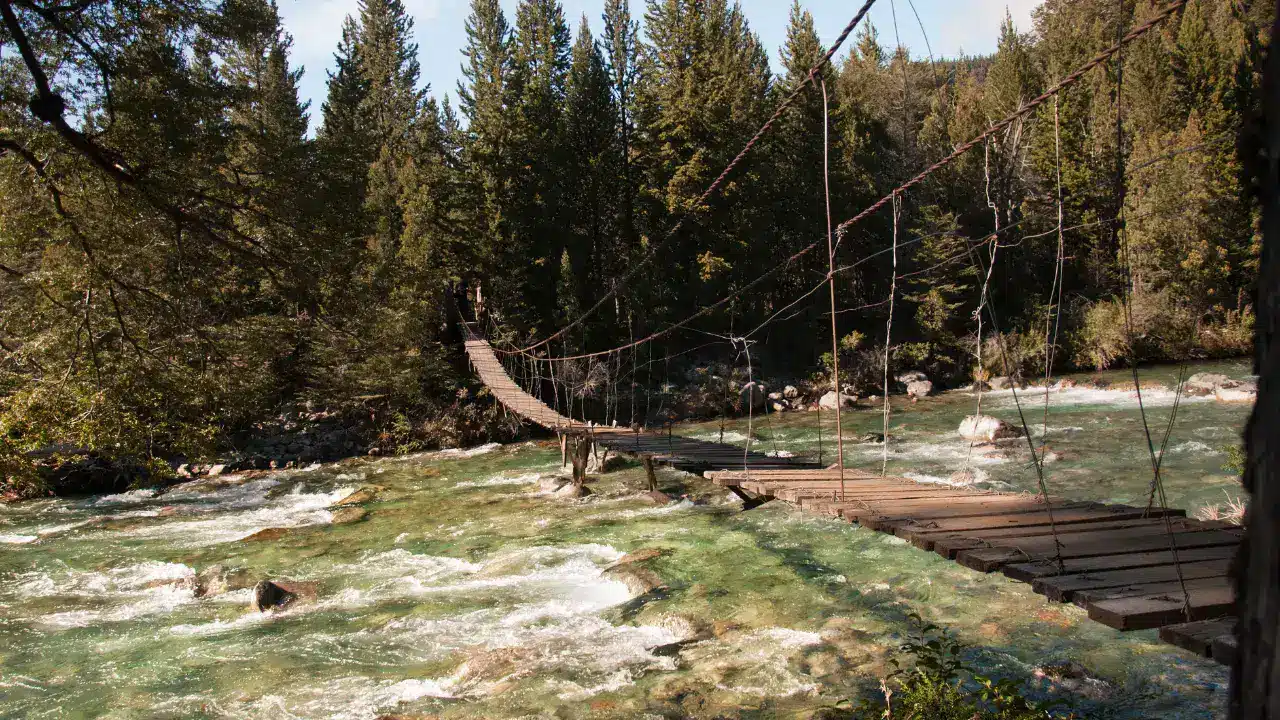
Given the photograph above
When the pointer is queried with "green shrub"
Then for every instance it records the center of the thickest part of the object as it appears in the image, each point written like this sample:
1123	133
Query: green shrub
939	686
1163	329
1014	354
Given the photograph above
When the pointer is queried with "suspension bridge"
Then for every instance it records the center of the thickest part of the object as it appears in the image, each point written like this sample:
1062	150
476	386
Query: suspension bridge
1130	568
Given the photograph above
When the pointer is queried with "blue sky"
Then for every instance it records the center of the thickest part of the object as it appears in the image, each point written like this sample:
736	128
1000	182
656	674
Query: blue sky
952	26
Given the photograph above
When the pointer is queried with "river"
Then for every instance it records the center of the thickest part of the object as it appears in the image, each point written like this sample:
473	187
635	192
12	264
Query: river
470	591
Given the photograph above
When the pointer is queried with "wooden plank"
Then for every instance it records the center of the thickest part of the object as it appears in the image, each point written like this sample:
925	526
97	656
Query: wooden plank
1225	648
1115	543
886	494
1143	612
948	545
1029	571
1082	512
1085	598
891	519
1062	587
818	500
1198	637
925	508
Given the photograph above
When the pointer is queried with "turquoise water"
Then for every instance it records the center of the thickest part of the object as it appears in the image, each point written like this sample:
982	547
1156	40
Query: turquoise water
470	591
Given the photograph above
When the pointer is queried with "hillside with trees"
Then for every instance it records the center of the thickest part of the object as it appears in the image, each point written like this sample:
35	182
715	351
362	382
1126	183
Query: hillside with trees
181	261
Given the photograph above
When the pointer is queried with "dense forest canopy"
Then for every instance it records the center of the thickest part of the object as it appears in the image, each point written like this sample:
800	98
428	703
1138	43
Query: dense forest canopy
179	259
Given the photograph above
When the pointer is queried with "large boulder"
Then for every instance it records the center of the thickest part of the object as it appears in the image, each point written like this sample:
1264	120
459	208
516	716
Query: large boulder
790	392
601	462
984	428
753	395
1245	392
1002	383
919	388
829	400
1204	384
268	596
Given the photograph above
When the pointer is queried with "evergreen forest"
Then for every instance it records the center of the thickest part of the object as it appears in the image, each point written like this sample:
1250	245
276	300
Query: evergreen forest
188	250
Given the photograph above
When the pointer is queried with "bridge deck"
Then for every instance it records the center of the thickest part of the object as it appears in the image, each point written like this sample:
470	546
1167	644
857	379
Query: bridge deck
679	452
1117	561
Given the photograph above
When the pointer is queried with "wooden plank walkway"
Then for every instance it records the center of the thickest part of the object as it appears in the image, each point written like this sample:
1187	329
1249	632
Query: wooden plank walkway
679	452
1116	560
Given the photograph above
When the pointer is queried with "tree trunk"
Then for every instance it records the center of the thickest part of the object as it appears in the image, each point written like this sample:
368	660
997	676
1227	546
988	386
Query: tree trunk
648	471
1255	677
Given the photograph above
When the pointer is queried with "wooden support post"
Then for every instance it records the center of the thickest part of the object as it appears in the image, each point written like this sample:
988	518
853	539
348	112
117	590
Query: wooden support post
564	448
1255	690
581	452
648	471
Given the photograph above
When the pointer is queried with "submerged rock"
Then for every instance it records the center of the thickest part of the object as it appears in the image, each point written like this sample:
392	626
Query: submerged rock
657	497
639	581
1075	678
348	515
497	664
685	628
572	491
985	428
364	494
552	484
639	556
266	534
218	580
268	595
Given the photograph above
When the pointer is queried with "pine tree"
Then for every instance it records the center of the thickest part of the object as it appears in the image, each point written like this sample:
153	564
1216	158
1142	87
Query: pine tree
540	66
389	65
345	150
621	56
596	248
486	153
270	158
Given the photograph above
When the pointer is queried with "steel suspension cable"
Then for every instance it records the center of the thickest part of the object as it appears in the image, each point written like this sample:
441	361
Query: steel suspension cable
1026	430
1127	297
888	342
1054	315
831	284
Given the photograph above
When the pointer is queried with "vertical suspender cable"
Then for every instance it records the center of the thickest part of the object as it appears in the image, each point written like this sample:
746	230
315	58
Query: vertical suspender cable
831	282
1122	237
888	338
